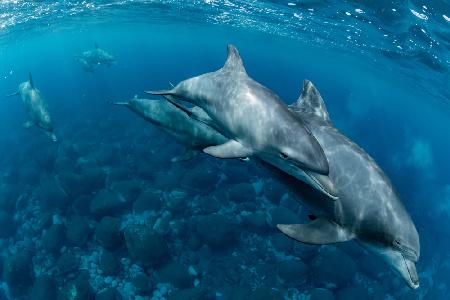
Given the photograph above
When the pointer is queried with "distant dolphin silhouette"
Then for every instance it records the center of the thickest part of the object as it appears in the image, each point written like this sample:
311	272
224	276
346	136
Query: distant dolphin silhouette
255	120
92	59
192	134
36	107
368	207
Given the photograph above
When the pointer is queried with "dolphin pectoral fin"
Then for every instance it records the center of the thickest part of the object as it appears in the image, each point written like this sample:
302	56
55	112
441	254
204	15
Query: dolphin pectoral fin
318	232
13	94
28	124
230	149
187	155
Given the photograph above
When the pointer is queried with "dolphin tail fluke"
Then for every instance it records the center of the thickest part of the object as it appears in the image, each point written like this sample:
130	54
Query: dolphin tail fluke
318	232
13	94
30	79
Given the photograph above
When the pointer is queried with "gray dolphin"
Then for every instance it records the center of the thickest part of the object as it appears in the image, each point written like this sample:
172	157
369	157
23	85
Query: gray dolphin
36	107
192	134
368	207
92	59
256	121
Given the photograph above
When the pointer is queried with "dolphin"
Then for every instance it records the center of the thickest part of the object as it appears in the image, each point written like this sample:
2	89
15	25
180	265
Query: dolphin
92	59
192	134
368	208
36	107
255	120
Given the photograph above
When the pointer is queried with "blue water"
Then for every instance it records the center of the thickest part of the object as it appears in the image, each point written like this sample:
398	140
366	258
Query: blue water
382	67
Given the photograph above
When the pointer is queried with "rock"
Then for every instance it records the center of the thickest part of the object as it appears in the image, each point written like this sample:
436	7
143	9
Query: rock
108	263
67	263
292	272
332	268
142	284
108	233
109	294
200	180
106	203
53	239
149	200
352	292
52	197
144	246
128	190
78	289
176	201
255	221
177	274
281	242
242	192
283	215
18	271
44	288
7	225
89	179
216	231
265	293
77	230
197	293
9	194
81	205
322	294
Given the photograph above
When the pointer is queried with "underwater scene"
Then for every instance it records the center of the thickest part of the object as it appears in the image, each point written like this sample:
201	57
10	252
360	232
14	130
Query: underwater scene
225	149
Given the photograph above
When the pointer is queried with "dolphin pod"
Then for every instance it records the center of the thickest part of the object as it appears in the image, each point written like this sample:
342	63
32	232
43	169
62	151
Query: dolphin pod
36	108
90	60
235	117
367	207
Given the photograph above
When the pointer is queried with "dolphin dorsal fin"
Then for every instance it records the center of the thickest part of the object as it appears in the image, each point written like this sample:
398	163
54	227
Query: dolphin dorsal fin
234	62
310	102
30	79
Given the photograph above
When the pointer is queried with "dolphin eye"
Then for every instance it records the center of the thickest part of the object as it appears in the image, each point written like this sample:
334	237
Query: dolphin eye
284	155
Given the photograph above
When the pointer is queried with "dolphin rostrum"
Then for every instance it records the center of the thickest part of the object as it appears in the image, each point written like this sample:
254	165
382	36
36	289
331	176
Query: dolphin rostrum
192	134
36	107
369	208
255	120
92	59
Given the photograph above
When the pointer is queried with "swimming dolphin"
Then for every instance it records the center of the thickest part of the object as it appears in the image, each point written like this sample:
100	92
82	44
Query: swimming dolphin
92	59
192	134
36	107
368	208
255	120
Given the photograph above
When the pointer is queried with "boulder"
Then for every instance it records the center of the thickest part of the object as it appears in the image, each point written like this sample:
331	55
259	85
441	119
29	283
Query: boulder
105	203
149	200
108	263
216	231
52	197
242	192
292	272
54	238
18	271
67	263
108	233
321	294
44	288
176	274
109	294
142	284
332	269
144	246
77	230
77	289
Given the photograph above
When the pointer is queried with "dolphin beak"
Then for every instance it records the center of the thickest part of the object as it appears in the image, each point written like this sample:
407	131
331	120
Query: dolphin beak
410	276
160	92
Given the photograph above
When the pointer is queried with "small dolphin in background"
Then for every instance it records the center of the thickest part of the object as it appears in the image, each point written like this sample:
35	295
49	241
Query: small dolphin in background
192	134
255	120
92	59
368	208
36	107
